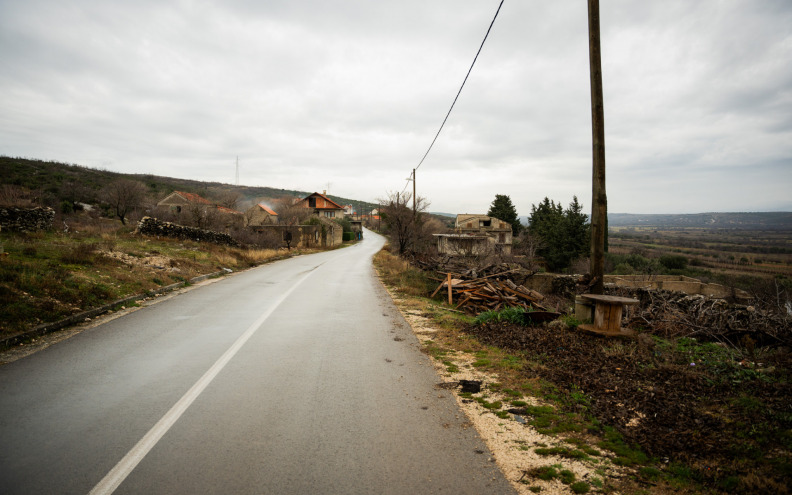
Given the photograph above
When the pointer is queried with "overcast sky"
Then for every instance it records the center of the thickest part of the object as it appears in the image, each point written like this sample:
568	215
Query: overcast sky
347	95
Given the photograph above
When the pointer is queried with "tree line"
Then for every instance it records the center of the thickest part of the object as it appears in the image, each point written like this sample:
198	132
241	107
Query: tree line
559	236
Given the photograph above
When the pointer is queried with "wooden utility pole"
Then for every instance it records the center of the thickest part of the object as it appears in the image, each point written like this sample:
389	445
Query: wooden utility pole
599	200
413	179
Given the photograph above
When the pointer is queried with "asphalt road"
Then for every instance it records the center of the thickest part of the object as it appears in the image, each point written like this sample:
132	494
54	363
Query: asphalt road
298	377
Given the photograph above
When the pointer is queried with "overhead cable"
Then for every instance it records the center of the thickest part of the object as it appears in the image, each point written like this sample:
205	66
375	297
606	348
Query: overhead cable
460	88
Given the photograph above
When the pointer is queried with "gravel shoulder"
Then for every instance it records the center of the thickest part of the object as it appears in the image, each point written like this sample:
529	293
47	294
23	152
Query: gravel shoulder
511	441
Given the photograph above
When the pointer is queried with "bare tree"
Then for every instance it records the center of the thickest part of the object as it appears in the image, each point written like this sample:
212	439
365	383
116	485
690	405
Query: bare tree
289	213
425	241
292	215
402	223
225	197
123	196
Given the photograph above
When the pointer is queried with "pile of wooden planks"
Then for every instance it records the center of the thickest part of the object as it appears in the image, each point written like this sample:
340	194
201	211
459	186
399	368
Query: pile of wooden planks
486	293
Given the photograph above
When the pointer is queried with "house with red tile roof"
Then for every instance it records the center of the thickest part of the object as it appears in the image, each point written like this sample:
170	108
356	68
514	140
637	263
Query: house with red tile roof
322	206
260	214
180	201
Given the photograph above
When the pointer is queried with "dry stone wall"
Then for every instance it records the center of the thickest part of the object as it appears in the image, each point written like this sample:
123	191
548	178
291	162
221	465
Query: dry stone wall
26	219
153	227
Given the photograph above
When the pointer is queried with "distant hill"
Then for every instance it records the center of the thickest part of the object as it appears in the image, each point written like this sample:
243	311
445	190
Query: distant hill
742	221
56	182
737	220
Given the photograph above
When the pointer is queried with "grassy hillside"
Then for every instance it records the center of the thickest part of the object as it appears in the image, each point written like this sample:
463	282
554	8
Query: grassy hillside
47	276
55	182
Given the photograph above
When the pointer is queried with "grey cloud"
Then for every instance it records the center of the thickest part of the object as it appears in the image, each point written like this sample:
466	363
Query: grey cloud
355	91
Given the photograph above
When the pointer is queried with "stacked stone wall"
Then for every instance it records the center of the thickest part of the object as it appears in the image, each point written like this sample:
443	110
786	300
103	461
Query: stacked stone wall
26	219
153	227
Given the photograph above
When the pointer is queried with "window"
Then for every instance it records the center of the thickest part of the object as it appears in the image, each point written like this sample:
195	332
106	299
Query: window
485	223
312	202
329	214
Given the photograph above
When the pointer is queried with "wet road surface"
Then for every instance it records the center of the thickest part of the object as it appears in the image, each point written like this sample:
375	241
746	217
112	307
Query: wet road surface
296	377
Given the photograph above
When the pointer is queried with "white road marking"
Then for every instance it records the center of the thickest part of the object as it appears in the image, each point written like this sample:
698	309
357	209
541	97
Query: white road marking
118	474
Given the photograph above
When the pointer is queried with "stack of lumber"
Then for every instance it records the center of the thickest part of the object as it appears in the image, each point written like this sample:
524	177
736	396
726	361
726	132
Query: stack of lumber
485	294
466	268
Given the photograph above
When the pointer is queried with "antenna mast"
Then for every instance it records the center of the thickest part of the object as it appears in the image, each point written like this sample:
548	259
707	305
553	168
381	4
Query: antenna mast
237	170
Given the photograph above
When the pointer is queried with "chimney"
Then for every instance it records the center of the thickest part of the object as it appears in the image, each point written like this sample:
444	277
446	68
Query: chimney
324	192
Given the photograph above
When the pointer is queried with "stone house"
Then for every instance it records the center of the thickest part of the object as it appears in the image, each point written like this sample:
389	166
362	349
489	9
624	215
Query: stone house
319	232
261	214
319	229
476	235
178	201
199	209
464	244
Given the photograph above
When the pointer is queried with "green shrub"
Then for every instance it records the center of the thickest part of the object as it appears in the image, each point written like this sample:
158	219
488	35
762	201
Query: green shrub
650	473
623	269
514	315
674	262
345	224
567	477
580	487
546	473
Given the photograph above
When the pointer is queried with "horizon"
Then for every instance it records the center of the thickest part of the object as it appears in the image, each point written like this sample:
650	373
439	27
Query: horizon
434	212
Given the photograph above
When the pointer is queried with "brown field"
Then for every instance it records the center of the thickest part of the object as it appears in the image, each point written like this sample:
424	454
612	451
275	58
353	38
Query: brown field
721	251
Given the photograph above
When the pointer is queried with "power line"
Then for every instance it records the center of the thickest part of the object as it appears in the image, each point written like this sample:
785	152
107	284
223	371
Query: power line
460	88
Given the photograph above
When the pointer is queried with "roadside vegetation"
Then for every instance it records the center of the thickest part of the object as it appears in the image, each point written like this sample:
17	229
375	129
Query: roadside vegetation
46	276
653	415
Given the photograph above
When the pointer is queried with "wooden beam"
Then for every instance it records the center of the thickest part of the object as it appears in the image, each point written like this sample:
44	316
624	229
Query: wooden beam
450	292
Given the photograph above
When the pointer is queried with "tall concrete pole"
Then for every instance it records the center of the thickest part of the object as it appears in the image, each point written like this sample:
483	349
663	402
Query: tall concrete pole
599	200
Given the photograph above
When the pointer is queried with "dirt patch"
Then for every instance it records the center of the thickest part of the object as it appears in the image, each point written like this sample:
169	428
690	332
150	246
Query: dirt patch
152	261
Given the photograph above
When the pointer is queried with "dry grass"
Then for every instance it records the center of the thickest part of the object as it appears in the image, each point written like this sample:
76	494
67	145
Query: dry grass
47	276
262	255
399	274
